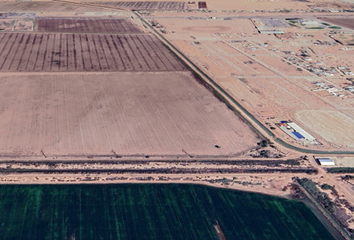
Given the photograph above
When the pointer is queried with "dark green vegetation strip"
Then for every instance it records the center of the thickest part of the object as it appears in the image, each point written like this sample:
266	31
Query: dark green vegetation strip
340	170
150	211
54	163
230	98
323	203
320	196
161	171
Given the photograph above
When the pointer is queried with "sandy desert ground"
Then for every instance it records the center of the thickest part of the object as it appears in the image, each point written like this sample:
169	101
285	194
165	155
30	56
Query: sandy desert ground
132	113
331	125
259	71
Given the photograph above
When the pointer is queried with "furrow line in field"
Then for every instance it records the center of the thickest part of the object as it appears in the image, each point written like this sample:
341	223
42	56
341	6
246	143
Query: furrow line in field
159	52
106	45
18	50
15	64
127	58
86	54
27	56
162	50
71	52
107	54
127	64
146	54
8	50
159	64
126	45
96	65
138	51
104	64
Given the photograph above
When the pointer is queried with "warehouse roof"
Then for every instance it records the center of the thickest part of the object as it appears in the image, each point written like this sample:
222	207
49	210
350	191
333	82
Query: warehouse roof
325	161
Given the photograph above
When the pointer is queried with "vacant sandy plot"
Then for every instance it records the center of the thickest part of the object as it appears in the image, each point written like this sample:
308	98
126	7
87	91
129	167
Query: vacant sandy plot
333	126
222	60
18	25
283	93
84	52
130	113
274	62
202	29
7	24
250	99
342	161
87	26
23	25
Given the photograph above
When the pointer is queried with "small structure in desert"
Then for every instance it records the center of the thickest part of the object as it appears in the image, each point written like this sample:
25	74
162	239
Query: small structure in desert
325	161
202	5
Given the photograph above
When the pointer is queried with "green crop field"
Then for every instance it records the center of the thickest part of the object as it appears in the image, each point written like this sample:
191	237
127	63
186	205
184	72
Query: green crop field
150	211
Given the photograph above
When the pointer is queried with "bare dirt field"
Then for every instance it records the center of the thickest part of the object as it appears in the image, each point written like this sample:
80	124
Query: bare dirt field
84	52
333	126
342	161
281	93
6	25
18	25
47	6
130	113
87	26
146	5
344	22
23	25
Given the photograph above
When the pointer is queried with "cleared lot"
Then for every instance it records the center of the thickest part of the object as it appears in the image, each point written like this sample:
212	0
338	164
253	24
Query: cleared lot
130	113
333	126
87	26
84	52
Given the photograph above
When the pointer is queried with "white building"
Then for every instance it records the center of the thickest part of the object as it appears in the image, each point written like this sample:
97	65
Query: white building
325	161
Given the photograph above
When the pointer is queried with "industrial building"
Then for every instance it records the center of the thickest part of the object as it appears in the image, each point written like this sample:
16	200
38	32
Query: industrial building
296	132
325	161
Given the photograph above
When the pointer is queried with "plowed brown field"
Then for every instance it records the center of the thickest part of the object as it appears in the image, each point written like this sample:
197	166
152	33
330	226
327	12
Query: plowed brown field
45	6
84	52
147	5
87	26
130	113
344	22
